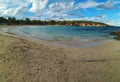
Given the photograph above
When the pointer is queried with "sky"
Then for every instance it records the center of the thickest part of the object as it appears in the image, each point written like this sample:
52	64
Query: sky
106	11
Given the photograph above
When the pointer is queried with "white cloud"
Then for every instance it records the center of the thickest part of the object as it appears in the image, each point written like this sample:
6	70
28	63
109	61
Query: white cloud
98	18
38	5
55	10
12	7
88	4
100	5
114	23
108	5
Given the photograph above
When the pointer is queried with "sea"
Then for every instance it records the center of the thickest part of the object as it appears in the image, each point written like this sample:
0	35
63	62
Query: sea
65	33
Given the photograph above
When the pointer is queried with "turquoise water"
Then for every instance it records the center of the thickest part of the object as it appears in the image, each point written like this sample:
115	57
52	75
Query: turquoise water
63	32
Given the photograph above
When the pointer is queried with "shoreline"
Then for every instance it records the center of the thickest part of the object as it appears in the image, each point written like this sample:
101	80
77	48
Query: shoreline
36	60
29	60
59	25
60	44
81	43
73	43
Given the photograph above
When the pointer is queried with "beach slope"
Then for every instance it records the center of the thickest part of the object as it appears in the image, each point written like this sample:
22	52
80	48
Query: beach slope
25	60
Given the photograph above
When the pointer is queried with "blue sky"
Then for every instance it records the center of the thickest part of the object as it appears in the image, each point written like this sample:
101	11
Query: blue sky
107	11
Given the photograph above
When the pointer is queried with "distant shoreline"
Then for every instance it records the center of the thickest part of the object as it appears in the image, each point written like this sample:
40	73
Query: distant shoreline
27	21
53	25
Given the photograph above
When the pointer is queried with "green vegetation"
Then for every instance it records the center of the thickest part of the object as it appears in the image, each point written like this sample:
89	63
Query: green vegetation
116	34
27	21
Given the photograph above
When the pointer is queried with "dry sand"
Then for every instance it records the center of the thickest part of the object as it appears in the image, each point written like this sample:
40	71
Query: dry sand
27	60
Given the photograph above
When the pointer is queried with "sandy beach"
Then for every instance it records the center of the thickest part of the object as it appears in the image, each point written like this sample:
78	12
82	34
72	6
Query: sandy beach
28	60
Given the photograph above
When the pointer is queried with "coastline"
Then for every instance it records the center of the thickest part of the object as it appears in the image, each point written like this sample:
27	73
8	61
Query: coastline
73	43
24	59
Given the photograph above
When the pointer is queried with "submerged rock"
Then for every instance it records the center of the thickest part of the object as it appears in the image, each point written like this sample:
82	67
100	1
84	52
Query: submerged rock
116	34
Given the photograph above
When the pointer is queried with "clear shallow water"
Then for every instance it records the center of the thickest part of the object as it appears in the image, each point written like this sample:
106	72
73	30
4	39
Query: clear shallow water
63	32
66	36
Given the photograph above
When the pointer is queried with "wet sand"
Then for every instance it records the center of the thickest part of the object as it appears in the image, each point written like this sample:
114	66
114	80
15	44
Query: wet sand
79	43
29	60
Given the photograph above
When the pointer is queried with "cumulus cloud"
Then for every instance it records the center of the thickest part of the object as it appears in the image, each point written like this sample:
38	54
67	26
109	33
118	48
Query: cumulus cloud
12	7
114	23
56	10
99	5
97	18
87	4
38	5
17	8
75	14
108	5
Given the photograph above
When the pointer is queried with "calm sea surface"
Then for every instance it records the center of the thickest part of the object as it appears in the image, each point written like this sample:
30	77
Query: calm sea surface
63	32
66	36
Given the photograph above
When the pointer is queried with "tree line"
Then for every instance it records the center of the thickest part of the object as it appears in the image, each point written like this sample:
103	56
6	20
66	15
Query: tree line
27	21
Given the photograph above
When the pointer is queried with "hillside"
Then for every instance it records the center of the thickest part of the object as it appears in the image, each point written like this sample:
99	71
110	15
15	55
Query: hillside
27	21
